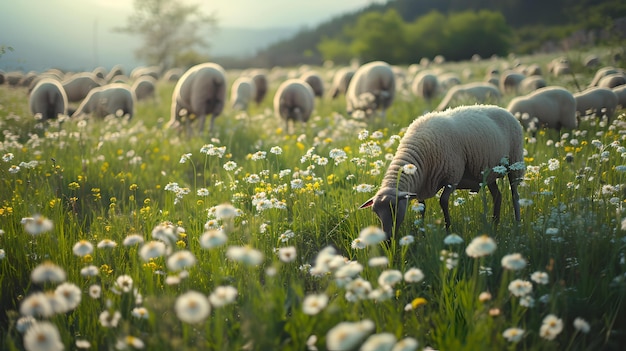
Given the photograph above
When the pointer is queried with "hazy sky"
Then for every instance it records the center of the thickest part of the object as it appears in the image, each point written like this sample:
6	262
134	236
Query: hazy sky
42	28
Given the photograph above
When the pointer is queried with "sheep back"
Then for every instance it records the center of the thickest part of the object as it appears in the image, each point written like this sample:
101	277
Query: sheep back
242	92
476	92
553	106
294	100
374	79
200	91
112	99
595	100
48	99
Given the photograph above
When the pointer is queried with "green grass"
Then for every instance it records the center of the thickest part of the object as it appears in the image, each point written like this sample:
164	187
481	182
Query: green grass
106	179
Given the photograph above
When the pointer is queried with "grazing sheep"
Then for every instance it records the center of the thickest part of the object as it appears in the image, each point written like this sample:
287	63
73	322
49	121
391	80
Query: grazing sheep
242	93
117	70
448	80
13	78
476	92
199	92
79	85
559	66
552	106
173	74
620	91
612	80
260	84
99	72
510	80
152	71
144	88
425	85
112	99
598	101
603	72
531	83
532	70
451	150
373	87
2	76
341	81
48	99
591	61
294	101
315	81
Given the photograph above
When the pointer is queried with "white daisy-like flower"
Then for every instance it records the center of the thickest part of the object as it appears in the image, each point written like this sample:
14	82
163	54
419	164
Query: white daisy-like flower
152	249
407	240
452	239
192	307
372	235
540	278
513	334
70	293
245	254
347	335
222	296
378	261
124	283
513	262
287	254
181	260
110	319
389	277
582	325
314	303
83	248
42	336
48	272
409	168
519	287
481	246
381	341
413	275
133	239
213	238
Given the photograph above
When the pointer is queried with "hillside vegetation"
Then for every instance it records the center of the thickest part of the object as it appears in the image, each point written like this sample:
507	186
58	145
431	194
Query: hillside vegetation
403	31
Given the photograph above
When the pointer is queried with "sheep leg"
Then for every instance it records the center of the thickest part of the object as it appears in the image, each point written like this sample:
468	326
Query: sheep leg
515	196
497	200
444	203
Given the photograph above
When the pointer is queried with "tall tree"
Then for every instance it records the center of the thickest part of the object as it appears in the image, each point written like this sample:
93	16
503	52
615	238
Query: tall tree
169	28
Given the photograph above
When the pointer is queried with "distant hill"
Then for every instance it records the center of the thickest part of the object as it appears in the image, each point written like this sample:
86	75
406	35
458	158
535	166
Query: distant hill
519	14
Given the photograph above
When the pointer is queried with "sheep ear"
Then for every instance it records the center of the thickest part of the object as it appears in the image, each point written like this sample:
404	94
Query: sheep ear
367	203
406	195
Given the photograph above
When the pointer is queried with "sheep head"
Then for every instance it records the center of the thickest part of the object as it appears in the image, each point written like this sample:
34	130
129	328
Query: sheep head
390	209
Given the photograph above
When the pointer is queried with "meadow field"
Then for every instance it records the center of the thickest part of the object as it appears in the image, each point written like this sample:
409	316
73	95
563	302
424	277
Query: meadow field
122	234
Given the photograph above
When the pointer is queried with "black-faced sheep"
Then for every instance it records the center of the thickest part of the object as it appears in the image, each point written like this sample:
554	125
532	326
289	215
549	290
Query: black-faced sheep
201	91
315	81
598	101
48	99
372	88
294	101
425	85
476	92
261	85
144	88
552	106
79	85
341	81
455	149
242	93
112	99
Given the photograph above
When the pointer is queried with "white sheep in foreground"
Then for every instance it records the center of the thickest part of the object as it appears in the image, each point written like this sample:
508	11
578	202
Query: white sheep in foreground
620	91
597	101
459	148
341	81
144	88
425	85
315	81
115	99
242	93
372	88
48	99
470	93
199	92
79	85
552	106
294	101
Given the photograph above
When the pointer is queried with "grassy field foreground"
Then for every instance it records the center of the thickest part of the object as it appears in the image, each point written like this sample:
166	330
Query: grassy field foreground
121	234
